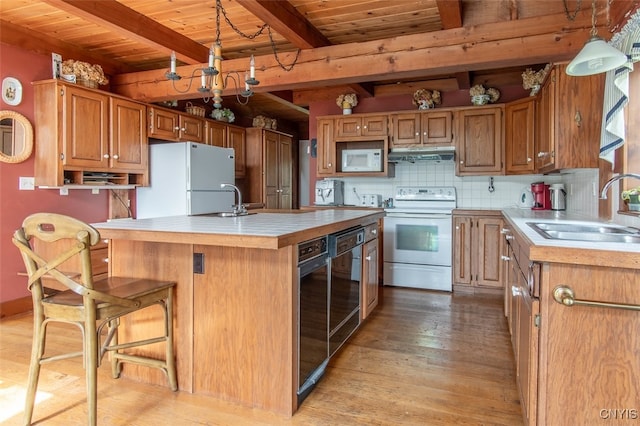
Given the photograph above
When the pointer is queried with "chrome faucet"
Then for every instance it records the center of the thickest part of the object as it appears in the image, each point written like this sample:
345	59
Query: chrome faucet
603	195
238	209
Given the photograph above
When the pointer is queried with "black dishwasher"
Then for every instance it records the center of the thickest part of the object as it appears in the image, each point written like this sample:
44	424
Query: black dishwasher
345	249
313	314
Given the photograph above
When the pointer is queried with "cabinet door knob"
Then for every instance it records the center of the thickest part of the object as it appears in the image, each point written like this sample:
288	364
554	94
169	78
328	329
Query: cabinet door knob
461	161
176	128
417	133
505	258
105	156
330	165
509	237
115	156
368	258
528	159
504	231
542	154
374	231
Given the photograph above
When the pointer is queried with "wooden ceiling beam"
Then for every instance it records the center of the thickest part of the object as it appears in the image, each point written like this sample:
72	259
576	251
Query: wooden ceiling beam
293	26
287	21
497	45
134	25
450	12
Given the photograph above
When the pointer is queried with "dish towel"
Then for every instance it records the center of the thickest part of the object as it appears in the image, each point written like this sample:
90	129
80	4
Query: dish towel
616	90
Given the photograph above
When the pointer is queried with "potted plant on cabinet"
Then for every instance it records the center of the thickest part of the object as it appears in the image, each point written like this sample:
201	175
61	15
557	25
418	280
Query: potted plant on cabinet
632	196
347	102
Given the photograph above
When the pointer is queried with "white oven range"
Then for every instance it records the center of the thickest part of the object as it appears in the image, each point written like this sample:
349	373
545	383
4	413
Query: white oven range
417	238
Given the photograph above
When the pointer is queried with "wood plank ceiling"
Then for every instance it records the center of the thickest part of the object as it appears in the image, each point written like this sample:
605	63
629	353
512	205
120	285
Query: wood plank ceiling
371	47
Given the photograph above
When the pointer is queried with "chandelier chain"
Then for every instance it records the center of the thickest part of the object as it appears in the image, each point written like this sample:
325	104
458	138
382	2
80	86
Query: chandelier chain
571	15
220	8
287	68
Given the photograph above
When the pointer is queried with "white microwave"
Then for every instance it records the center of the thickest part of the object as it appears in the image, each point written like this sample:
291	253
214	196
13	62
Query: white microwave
362	160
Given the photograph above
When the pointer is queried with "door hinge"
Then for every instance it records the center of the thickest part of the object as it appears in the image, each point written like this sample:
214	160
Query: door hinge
198	263
536	320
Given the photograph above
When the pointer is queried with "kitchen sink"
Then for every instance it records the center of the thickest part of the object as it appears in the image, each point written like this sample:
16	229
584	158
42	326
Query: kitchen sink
595	232
227	214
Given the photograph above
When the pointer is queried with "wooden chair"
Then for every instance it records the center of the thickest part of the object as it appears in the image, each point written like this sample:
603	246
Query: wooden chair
89	305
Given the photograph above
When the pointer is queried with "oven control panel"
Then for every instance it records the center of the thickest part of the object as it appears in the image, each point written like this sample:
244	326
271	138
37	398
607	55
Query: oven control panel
313	248
426	193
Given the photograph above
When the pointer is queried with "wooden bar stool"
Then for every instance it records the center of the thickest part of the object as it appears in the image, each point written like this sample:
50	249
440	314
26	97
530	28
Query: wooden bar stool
87	304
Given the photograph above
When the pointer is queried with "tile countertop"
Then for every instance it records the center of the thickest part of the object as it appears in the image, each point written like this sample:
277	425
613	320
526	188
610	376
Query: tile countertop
262	230
582	252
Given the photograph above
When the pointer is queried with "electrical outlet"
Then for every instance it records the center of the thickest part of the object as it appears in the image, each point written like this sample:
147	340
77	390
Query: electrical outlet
64	191
95	190
26	183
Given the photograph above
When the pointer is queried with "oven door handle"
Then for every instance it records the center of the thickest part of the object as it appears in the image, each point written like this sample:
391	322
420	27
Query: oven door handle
420	215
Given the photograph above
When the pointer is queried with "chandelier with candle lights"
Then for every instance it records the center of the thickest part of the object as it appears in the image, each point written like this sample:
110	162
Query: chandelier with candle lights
212	79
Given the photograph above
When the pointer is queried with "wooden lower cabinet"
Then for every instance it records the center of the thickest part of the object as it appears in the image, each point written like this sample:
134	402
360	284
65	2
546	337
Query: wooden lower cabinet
575	364
477	250
370	270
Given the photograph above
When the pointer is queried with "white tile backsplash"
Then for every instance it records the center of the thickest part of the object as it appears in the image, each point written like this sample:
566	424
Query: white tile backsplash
473	191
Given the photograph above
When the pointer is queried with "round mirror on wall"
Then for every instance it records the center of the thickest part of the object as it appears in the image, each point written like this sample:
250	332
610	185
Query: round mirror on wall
16	143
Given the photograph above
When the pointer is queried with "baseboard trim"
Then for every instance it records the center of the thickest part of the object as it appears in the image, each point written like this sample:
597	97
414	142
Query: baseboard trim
15	307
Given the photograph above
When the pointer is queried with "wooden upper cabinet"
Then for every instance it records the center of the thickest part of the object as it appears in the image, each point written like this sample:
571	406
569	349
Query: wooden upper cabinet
163	124
436	127
520	137
171	125
325	148
569	116
422	128
86	127
82	131
406	129
191	128
215	133
479	141
368	125
128	137
236	140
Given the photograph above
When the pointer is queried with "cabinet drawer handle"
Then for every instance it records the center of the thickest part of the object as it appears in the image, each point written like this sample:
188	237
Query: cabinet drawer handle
505	258
566	296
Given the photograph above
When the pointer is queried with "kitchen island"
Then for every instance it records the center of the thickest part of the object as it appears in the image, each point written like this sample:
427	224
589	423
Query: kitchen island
572	308
236	296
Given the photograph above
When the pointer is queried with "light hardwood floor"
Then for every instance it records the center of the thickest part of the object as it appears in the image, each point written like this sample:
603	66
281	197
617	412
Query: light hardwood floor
422	358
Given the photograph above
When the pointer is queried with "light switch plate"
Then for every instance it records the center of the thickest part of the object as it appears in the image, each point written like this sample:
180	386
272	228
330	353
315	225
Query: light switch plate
26	183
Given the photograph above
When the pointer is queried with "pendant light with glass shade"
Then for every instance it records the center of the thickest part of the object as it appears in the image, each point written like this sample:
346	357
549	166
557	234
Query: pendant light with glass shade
596	56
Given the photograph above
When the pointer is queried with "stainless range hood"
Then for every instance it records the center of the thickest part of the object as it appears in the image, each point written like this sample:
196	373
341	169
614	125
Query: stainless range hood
425	153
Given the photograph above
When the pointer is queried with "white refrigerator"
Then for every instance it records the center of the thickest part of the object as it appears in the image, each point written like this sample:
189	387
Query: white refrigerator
185	179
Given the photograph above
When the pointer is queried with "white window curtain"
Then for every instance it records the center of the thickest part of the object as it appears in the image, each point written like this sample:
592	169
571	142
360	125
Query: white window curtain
616	90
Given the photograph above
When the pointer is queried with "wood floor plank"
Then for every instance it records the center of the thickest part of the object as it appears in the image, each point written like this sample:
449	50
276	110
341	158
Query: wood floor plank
421	358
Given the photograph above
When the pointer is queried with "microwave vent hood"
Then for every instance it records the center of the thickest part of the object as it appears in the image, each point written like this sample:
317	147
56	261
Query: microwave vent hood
412	155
